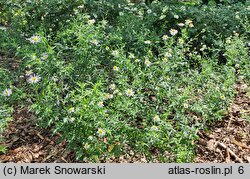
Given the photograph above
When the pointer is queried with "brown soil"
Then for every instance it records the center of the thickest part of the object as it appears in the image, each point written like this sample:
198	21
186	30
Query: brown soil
9	62
229	140
27	143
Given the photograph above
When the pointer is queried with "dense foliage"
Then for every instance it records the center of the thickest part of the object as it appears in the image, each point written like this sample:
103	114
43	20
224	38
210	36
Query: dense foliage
116	78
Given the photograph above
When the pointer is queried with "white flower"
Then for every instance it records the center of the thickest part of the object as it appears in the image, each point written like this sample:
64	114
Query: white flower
156	118
147	63
54	78
188	21
86	146
168	54
107	48
104	22
181	41
101	132
162	17
35	39
95	42
222	97
7	92
71	110
91	21
121	13
164	60
116	91
147	42
44	56
149	11
191	25
100	104
181	24
203	47
173	32
164	37
185	105
129	92
115	68
109	96
154	128
72	119
34	79
176	16
28	72
112	86
115	53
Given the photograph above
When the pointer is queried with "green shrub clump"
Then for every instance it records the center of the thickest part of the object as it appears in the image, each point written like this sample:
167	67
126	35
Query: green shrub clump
116	78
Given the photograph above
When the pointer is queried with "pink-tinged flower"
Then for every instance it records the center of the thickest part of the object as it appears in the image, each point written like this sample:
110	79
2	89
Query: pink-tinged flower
7	92
100	104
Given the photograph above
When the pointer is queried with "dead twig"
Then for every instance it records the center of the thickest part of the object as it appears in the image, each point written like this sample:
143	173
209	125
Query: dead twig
39	135
63	159
227	156
231	152
229	122
240	144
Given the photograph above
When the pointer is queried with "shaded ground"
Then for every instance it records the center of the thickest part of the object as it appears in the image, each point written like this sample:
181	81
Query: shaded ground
229	140
8	62
27	143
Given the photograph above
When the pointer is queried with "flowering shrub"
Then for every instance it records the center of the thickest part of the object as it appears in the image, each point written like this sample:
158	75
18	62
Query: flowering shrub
126	79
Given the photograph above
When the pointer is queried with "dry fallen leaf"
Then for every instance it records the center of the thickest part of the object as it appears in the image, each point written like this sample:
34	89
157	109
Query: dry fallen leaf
210	144
240	144
227	156
248	159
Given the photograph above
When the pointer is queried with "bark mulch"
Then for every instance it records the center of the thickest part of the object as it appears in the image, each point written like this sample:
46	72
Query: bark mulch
228	141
